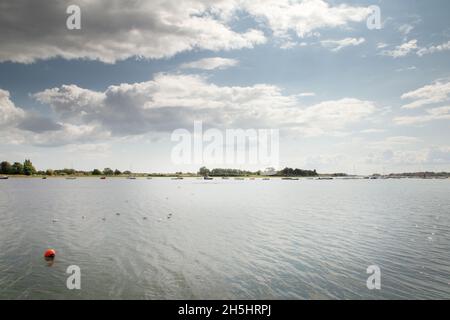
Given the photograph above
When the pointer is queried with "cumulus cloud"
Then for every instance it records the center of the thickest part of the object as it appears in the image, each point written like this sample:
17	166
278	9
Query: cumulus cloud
36	123
113	30
172	101
336	45
304	17
18	126
9	113
210	64
436	92
70	99
117	30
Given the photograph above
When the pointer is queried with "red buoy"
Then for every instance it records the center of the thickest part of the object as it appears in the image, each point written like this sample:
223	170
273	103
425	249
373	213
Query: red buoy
49	253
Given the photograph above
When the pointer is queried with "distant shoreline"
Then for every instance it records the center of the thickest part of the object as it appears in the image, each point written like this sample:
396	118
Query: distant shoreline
321	177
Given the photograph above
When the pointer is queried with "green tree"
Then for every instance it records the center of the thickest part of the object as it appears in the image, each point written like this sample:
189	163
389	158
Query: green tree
203	171
28	168
69	171
17	168
49	172
108	172
96	172
117	172
5	167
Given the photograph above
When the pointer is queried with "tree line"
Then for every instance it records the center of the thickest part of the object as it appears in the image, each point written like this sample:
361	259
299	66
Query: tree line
290	172
286	172
27	168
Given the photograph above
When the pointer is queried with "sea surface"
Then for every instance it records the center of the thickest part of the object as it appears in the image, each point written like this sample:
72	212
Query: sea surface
225	239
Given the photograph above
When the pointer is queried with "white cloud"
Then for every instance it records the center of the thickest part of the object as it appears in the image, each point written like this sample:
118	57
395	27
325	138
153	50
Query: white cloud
336	45
441	113
410	47
210	64
329	117
437	92
401	50
434	49
172	101
71	99
18	126
113	31
9	113
304	17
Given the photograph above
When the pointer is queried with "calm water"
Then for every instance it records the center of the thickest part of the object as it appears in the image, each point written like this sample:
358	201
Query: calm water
225	239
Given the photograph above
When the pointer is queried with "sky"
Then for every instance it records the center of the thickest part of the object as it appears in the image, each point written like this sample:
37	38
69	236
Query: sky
344	97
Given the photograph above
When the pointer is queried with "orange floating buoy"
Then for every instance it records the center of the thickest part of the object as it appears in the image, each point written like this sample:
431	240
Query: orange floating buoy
49	253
